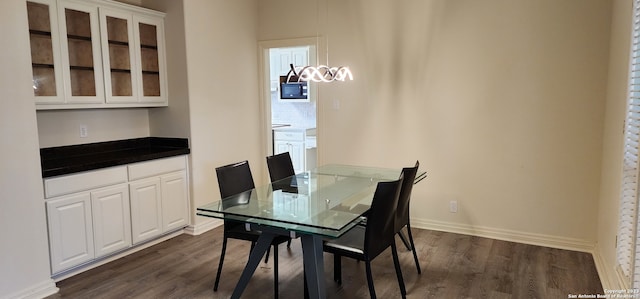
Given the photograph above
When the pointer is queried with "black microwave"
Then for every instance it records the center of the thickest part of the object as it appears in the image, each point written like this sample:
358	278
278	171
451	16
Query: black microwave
294	91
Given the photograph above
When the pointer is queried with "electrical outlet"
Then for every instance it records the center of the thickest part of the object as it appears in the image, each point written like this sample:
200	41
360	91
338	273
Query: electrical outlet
453	206
84	131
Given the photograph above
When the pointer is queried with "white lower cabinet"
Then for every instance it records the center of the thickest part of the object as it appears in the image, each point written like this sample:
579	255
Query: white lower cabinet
296	152
146	209
88	220
292	142
111	219
70	231
87	225
159	200
175	206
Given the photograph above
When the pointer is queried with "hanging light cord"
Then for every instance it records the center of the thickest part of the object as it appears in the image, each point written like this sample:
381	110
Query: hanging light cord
319	73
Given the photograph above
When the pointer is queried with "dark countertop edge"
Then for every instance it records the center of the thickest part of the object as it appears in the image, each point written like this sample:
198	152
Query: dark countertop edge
108	146
166	147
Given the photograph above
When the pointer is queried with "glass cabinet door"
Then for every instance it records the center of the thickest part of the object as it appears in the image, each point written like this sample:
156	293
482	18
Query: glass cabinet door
118	56
83	69
45	51
151	58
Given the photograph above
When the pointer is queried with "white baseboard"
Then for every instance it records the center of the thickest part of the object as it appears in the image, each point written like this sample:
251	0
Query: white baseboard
41	290
203	226
506	235
608	277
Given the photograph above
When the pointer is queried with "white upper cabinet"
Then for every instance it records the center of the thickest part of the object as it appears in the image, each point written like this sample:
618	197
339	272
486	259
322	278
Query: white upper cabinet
96	54
119	56
150	47
82	55
45	51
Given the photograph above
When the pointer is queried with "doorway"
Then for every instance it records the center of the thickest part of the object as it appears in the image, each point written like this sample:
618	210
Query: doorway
289	125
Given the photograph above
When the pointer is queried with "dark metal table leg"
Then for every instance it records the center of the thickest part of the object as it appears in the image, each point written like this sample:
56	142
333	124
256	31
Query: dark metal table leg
264	242
314	265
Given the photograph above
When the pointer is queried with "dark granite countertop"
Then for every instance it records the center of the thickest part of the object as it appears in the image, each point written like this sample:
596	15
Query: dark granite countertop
84	157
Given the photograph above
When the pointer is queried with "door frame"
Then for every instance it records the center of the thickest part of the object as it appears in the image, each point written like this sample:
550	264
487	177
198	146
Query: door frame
264	84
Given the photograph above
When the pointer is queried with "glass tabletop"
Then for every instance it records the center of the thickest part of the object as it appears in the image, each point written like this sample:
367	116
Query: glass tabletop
326	201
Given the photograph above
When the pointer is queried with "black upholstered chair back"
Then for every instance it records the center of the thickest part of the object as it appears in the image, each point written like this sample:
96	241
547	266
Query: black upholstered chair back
380	229
280	166
234	178
409	175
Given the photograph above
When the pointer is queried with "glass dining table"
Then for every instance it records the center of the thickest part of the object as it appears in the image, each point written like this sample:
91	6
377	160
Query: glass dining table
322	203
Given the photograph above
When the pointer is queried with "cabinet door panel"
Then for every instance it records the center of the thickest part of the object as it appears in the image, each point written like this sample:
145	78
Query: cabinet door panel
111	219
150	57
82	64
45	52
280	147
119	56
70	231
296	151
146	209
175	204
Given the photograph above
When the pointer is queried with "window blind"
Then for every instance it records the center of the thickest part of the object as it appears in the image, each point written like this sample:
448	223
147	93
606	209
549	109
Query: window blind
628	243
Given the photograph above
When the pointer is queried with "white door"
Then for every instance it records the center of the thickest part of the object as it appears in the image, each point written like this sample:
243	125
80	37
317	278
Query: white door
273	64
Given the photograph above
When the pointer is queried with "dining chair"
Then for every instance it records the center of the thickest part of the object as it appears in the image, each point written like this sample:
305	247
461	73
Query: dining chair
402	213
364	243
280	166
236	179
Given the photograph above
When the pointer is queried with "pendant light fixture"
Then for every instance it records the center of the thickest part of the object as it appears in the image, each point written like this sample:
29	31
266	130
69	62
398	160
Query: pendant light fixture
319	73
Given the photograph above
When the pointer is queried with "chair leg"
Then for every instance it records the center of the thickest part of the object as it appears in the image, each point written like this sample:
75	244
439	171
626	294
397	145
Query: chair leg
306	287
266	256
413	248
224	248
337	268
372	290
396	264
275	271
404	240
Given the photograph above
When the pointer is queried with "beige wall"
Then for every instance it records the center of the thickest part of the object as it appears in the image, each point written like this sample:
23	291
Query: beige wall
173	121
62	127
24	250
501	101
221	51
613	141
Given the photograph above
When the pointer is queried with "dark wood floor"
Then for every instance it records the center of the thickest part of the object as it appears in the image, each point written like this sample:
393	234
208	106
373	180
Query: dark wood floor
454	266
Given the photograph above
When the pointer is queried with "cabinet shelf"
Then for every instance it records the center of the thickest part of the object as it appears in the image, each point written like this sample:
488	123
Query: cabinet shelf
42	65
40	32
79	37
81	68
149	47
120	70
119	43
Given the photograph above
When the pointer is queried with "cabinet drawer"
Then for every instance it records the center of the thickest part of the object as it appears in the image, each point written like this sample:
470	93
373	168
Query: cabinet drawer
156	167
293	136
84	181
